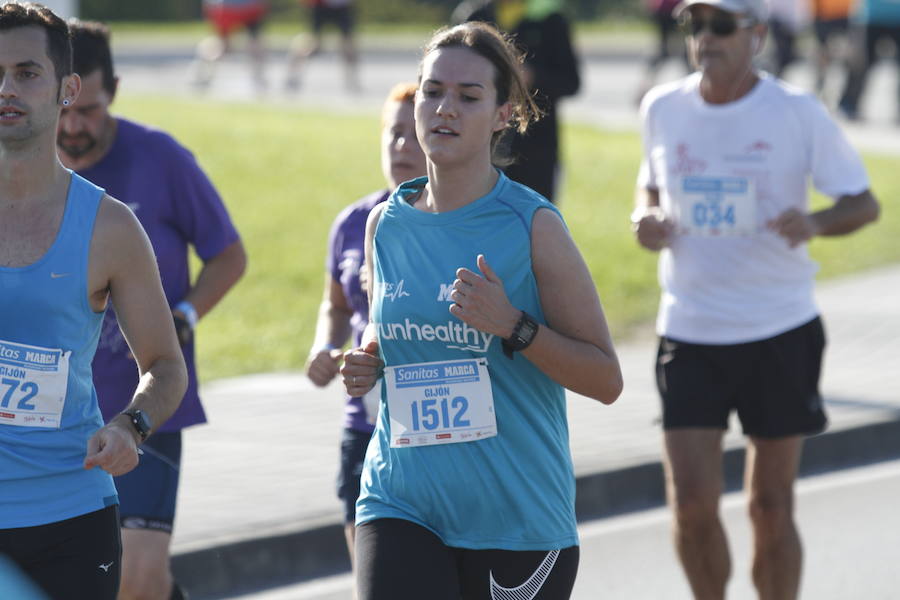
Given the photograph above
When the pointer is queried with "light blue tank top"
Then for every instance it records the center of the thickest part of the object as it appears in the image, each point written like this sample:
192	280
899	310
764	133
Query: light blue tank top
514	491
44	314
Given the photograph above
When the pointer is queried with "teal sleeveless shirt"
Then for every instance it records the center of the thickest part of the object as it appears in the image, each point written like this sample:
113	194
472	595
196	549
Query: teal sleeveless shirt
514	491
45	321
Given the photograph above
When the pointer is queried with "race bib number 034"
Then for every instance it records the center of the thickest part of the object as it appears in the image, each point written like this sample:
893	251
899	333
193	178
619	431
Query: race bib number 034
33	383
717	206
440	403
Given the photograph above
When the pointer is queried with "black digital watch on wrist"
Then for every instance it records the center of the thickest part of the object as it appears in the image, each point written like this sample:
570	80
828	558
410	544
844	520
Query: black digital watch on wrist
140	421
522	335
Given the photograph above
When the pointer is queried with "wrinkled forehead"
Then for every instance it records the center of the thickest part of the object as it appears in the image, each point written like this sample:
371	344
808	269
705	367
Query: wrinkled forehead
24	46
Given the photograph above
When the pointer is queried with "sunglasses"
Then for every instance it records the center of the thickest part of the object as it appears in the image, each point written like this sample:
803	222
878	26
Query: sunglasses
722	24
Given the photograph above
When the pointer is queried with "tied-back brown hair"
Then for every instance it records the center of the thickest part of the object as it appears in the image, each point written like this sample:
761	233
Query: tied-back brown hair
14	15
500	50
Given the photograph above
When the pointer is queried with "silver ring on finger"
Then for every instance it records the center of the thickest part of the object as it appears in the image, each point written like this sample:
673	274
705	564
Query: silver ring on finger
353	381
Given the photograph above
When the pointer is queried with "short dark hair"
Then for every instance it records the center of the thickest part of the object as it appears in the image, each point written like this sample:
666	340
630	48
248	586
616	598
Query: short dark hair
90	51
59	46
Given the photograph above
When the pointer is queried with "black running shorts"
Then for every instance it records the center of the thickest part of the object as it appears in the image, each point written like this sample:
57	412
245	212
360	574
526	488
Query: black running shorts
75	559
773	384
400	560
353	453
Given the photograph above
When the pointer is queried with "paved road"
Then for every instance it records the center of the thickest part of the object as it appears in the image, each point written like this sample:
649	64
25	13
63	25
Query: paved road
848	522
612	72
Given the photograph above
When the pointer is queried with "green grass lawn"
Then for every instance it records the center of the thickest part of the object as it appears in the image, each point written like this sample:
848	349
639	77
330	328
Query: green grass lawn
286	173
278	33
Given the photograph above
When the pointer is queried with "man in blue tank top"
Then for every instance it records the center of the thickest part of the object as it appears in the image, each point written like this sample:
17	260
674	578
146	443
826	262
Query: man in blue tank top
177	205
67	250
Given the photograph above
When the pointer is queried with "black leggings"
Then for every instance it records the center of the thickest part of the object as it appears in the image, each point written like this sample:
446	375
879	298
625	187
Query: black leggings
400	560
75	559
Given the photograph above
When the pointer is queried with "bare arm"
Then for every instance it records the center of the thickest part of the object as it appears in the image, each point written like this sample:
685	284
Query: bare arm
574	348
846	215
362	366
123	266
332	332
218	275
371	226
651	228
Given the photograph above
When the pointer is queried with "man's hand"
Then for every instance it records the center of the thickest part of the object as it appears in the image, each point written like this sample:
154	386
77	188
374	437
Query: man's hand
362	368
652	229
323	366
113	448
794	226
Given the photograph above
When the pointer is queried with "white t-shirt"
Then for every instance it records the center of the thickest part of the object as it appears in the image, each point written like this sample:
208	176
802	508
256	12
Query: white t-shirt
722	172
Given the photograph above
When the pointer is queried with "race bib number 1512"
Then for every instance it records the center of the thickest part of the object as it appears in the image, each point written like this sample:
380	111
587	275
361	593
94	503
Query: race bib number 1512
440	403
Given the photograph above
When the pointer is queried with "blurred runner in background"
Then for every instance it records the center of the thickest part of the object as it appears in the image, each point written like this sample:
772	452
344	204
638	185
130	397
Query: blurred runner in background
541	31
830	25
344	312
228	16
660	11
177	205
873	21
339	13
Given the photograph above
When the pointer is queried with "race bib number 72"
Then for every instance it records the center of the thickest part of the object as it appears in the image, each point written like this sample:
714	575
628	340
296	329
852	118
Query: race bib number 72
33	383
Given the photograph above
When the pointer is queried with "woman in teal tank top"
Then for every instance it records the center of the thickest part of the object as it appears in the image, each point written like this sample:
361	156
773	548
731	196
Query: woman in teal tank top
483	311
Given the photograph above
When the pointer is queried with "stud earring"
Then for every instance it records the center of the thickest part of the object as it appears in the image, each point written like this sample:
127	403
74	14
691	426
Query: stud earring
66	102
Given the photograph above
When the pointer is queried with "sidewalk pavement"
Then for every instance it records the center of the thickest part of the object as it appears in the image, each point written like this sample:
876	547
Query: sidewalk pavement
257	506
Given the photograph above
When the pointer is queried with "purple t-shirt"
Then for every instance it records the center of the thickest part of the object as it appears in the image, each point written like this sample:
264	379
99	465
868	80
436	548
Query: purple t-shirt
175	202
346	252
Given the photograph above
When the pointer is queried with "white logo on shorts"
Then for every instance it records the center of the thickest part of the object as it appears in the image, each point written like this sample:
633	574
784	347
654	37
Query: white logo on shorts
531	587
106	566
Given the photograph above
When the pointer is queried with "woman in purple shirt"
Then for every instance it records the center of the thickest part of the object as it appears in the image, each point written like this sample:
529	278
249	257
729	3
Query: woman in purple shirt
345	307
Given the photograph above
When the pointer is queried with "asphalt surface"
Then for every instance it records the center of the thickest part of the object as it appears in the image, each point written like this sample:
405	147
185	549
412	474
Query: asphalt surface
257	506
631	556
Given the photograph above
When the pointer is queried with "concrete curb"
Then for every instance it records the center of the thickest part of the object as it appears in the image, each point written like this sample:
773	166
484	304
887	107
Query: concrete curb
267	562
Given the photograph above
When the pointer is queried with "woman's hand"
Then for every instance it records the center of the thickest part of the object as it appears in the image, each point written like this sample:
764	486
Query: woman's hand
481	301
361	369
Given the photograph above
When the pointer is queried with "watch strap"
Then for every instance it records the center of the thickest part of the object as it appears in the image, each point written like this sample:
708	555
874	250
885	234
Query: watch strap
523	334
140	422
190	313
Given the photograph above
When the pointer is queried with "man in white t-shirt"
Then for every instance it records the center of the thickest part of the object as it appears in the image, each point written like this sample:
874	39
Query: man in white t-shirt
722	194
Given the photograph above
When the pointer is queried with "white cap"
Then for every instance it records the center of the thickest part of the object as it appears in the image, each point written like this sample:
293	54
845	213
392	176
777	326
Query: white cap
758	9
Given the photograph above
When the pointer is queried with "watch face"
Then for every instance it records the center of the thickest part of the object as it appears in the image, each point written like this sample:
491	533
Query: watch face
141	422
528	330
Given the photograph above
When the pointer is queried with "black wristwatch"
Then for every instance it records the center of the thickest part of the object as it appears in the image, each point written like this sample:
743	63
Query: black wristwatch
140	421
523	334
